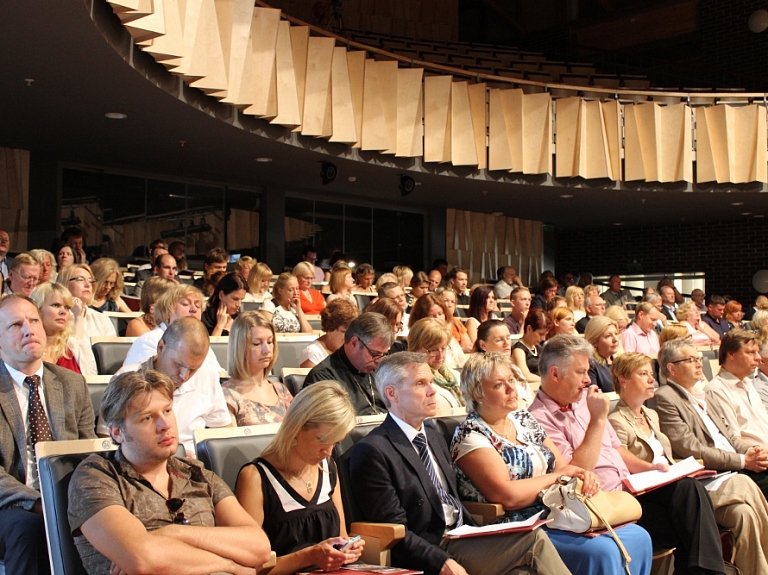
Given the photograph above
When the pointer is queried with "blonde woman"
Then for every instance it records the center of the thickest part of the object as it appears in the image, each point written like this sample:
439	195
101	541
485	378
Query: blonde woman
574	296
66	344
258	283
154	287
603	334
108	287
47	263
312	301
690	316
253	399
404	275
284	309
620	316
292	490
341	284
431	336
79	280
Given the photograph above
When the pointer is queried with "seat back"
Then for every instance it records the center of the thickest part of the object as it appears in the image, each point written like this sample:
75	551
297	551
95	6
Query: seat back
96	391
447	424
250	306
110	353
220	348
289	350
363	300
293	378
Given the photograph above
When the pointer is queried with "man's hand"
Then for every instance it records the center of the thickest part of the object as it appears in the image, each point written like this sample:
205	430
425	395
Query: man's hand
38	507
450	567
755	460
598	403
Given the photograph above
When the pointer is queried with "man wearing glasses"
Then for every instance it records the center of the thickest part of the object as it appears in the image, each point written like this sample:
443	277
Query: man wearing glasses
695	426
140	509
366	342
24	275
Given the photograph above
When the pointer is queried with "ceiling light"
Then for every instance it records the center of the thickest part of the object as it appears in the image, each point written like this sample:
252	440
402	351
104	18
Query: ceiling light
566	195
737	203
264	160
758	216
352	179
746	213
618	224
116	115
29	81
497	214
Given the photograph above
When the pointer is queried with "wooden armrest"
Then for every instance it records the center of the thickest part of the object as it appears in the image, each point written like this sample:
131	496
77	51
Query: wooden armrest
488	512
388	533
267	567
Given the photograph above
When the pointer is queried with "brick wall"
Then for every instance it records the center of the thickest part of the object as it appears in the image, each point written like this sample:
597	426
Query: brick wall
728	252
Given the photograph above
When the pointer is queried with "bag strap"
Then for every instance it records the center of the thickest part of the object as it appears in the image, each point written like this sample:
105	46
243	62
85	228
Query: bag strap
593	508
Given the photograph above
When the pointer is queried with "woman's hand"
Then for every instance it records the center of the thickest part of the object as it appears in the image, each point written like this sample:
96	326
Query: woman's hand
221	315
590	484
295	303
661	467
326	557
354	551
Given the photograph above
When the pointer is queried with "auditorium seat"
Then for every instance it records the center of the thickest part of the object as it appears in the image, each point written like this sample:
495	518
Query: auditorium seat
110	352
293	378
220	348
289	350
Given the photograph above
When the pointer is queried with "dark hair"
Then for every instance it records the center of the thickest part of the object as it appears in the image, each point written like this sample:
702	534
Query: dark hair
71	233
715	299
421	307
387	307
418	279
439	262
733	341
363	269
547	283
216	256
483	330
477	300
337	313
308	249
536	319
229	283
385	287
454	272
157	244
337	256
158	263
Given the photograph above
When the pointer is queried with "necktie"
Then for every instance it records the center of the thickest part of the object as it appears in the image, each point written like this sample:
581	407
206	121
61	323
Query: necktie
39	428
446	498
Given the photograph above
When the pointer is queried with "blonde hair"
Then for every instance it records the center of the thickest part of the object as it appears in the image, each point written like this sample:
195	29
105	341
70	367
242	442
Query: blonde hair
42	294
102	269
617	313
258	273
280	283
589	290
672	331
386	278
166	303
625	365
477	368
244	261
41	255
338	275
404	275
428	332
238	364
304	268
595	329
322	403
571	293
153	288
684	310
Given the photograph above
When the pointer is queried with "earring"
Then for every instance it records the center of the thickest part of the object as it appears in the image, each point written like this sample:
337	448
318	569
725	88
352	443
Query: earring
295	442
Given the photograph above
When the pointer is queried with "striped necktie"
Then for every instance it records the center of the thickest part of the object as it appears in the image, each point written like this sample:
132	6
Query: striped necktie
446	498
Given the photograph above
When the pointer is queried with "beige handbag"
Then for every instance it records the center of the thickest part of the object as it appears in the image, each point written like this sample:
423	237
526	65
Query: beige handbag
570	510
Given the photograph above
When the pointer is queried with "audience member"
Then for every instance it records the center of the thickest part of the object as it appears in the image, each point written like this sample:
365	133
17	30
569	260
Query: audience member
760	381
334	321
366	342
177	302
614	295
404	275
661	319
210	282
562	322
590	290
574	295
341	284
24	275
520	298
603	335
458	329
457	278
78	279
668	303
431	305
337	258
394	291
309	255
405	461
761	303
284	309
734	316
574	415
672	331
697	427
526	350
154	287
65	256
224	304
714	316
419	287
700	332
216	260
164	266
74	237
595	308
5	245
144	271
697	297
26	419
364	274
198	399
556	302
292	490
178	250
502	455
640	336
252	398
482	304
546	291
243	266
141	509
47	263
732	390
621	317
385	279
258	283
508	281
760	323
66	344
739	505
431	337
565	281
394	315
108	286
435	279
669	283
441	266
312	301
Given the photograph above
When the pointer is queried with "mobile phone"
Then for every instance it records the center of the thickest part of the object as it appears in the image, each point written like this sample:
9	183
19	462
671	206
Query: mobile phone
342	546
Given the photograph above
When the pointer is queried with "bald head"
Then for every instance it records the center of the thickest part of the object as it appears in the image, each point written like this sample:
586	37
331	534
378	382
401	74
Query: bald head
189	334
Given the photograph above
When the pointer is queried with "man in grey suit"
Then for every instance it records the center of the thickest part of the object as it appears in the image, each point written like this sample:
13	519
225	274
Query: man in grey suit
34	406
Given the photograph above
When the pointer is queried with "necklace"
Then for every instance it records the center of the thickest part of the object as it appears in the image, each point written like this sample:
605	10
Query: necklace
365	395
506	432
534	350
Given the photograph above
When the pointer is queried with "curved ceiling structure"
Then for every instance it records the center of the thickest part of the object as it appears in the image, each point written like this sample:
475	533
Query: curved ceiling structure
67	64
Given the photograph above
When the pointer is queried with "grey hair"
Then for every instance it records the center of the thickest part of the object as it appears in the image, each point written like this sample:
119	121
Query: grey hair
479	367
560	351
393	371
671	351
369	325
653	298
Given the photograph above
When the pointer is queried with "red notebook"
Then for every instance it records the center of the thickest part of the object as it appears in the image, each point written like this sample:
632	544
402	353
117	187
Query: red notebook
640	483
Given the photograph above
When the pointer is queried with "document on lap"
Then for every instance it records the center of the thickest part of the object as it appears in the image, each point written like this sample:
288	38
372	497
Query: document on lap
529	524
639	483
364	568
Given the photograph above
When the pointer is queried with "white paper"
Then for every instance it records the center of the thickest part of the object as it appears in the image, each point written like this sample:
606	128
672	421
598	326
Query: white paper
714	483
648	479
489	529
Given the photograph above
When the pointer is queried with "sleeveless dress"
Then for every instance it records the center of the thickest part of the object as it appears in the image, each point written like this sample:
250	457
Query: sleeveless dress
582	554
531	361
292	522
248	412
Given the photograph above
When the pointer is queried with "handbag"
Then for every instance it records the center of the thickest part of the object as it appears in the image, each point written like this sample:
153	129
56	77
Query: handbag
570	510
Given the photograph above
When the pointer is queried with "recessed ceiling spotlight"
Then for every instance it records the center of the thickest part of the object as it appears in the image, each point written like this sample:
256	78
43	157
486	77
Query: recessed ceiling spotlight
758	216
116	115
746	213
737	203
618	224
29	81
566	195
352	179
497	214
264	160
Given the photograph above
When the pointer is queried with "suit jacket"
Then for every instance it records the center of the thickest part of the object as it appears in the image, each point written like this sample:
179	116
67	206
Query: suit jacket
391	485
689	436
70	414
633	437
668	313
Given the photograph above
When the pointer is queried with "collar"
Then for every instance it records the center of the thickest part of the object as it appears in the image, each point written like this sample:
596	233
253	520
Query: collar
638	330
731	380
409	431
555	407
696	395
187	386
342	354
18	377
175	467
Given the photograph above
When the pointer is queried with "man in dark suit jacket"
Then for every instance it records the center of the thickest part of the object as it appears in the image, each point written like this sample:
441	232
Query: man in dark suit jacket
392	484
69	414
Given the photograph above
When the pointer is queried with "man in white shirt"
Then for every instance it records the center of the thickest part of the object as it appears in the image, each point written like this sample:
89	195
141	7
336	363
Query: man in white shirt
733	391
5	244
507	283
760	381
614	295
198	400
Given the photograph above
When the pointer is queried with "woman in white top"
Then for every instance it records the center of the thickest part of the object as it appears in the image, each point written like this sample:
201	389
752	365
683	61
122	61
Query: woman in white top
334	320
66	344
574	295
341	285
258	283
78	279
701	334
284	309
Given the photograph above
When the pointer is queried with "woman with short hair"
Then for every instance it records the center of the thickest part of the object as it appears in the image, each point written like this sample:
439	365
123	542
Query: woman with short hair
292	490
734	315
244	265
78	279
431	336
690	316
493	335
430	305
603	334
334	321
65	256
153	288
312	301
47	263
341	283
108	287
258	283
458	329
563	322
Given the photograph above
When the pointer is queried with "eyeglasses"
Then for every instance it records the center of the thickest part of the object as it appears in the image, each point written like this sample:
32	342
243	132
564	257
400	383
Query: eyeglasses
81	279
437	352
174	506
374	356
31	280
696	360
109	284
